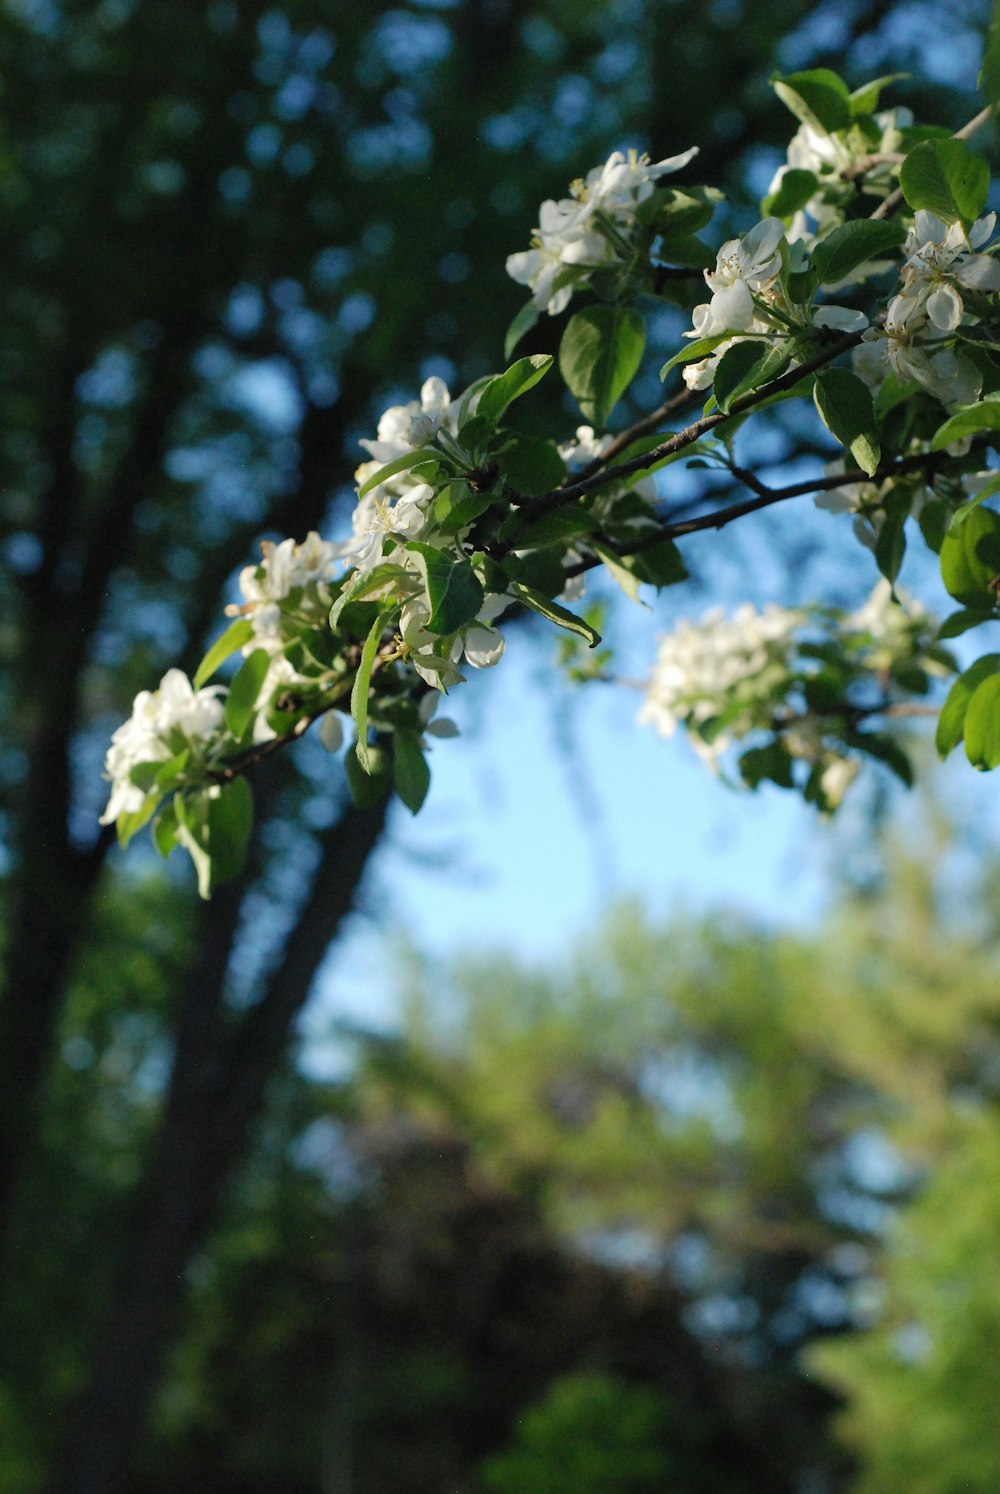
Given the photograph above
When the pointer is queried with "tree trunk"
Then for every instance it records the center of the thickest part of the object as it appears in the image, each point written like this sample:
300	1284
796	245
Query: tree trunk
217	1084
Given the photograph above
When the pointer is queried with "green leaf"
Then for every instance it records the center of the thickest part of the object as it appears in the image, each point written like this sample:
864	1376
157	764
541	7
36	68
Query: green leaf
988	490
951	722
362	681
509	386
128	825
960	622
694	350
818	97
454	591
854	244
192	834
230	823
773	763
792	193
890	546
599	356
555	613
554	528
412	775
946	178
681	211
238	633
845	407
659	564
970	558
362	584
748	365
144	775
982	724
165	830
520	327
241	702
158	774
933	522
531	466
619	573
398	464
685	250
983	416
457	505
369	785
864	100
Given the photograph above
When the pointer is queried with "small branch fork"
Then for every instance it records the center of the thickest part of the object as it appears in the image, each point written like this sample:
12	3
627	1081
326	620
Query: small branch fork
686	437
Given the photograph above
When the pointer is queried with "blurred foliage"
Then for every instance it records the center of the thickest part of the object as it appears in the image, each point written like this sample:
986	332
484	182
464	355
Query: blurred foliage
592	1434
608	1207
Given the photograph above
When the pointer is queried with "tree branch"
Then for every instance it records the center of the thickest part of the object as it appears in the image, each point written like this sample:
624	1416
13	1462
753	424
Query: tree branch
765	497
690	434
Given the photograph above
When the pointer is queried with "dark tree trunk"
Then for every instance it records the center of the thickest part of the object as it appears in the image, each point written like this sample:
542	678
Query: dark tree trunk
217	1084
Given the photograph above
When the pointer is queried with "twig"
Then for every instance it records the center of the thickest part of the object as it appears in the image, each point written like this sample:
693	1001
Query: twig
691	433
765	498
892	202
649	422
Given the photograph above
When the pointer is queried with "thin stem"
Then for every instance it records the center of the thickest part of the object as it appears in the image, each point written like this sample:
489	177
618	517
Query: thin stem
624	439
765	497
894	200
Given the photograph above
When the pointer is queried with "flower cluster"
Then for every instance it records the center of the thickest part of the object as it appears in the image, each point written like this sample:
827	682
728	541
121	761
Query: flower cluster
940	263
750	299
588	230
835	158
796	686
173	724
721	677
288	592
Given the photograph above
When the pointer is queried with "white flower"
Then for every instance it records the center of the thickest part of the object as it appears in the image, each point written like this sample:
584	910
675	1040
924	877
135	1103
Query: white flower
939	260
827	156
906	345
161	723
378	516
402	428
570	235
703	667
887	627
284	568
836	778
562	240
624	181
744	266
840	318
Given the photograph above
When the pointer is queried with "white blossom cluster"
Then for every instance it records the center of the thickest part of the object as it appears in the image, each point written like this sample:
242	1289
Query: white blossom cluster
287	590
889	628
747	298
589	229
738	666
398	506
831	157
940	262
726	680
397	511
164	723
